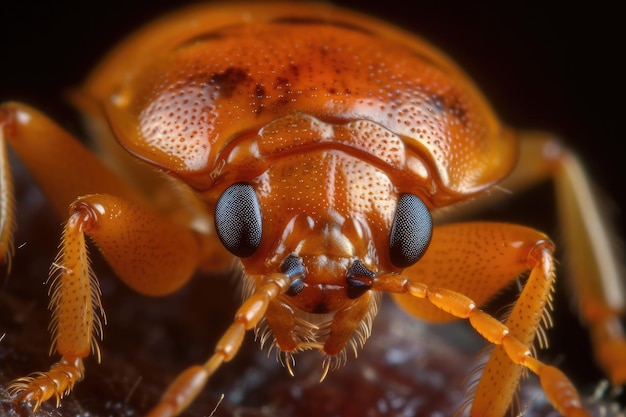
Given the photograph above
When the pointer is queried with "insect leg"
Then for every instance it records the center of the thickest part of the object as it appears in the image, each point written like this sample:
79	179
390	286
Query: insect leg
465	265
76	322
595	272
149	253
597	278
190	382
7	203
596	275
61	165
64	169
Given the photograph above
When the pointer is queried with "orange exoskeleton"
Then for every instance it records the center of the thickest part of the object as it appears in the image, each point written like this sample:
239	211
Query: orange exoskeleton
323	150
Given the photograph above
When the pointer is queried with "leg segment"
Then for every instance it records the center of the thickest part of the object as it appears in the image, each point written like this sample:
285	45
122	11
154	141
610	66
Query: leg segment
597	277
189	383
523	322
76	321
7	204
151	254
597	280
62	166
451	278
597	283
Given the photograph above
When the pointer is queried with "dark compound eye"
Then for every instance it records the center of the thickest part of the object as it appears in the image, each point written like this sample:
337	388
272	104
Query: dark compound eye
238	220
411	231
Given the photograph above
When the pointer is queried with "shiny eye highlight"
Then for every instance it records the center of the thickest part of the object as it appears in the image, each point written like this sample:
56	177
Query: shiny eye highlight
238	220
411	231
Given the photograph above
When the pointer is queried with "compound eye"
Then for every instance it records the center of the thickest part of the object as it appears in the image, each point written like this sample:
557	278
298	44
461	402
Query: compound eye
411	231
238	220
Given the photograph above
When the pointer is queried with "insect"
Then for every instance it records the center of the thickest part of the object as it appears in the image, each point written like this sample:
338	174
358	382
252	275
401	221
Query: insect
318	162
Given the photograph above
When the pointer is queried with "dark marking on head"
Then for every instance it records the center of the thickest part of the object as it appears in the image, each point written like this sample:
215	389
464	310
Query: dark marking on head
282	83
228	81
436	103
449	104
457	108
260	92
294	70
284	93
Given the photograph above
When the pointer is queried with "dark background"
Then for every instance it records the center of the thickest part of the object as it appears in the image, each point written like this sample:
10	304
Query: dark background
543	66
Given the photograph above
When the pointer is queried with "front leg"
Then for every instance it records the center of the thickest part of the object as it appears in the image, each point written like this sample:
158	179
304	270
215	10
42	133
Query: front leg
151	253
593	254
64	169
465	265
77	316
591	247
148	252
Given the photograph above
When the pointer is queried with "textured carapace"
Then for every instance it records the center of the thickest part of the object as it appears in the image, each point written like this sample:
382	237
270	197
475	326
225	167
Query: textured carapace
219	90
324	120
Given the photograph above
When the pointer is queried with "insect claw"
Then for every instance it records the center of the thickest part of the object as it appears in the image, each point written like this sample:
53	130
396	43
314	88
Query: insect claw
325	368
289	364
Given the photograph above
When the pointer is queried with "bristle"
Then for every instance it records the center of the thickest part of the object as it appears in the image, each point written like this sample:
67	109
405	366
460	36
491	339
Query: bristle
311	332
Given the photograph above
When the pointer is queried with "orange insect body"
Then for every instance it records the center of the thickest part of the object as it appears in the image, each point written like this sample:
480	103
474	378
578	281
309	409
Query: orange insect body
319	142
329	122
